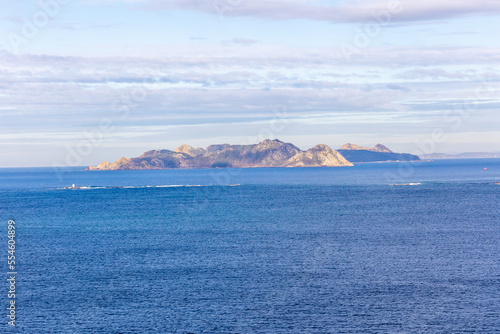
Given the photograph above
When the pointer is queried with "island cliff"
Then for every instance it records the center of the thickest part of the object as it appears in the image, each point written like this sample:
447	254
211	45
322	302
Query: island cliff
269	153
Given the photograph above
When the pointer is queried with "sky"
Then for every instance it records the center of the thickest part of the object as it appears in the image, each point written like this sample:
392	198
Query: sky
84	81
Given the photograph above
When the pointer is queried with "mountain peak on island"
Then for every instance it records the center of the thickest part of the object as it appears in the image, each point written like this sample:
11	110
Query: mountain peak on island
376	148
275	144
350	146
184	148
266	141
270	143
381	148
320	147
190	150
217	148
319	155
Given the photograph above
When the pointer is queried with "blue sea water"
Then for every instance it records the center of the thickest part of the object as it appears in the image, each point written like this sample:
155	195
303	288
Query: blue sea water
263	250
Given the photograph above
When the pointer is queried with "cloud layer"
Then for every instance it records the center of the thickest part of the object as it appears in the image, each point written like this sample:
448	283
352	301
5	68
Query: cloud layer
348	11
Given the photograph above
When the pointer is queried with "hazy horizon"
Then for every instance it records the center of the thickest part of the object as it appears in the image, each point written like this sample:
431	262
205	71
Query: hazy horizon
72	153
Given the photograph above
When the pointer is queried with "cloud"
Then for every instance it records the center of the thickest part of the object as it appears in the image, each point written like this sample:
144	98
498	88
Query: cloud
263	56
75	27
240	41
244	81
15	19
437	74
348	11
398	87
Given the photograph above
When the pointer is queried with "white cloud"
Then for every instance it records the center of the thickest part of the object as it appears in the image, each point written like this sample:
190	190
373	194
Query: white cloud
347	11
243	83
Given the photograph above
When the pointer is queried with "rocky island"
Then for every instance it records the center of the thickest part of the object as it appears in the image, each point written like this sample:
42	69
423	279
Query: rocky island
269	153
379	152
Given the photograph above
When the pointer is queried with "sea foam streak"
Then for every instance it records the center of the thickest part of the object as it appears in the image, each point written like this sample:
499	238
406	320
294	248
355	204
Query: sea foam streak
141	187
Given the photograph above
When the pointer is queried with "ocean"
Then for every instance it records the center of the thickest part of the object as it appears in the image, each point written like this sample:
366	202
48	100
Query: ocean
257	250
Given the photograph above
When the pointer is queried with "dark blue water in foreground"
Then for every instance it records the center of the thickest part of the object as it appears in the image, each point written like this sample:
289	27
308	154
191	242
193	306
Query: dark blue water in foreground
326	250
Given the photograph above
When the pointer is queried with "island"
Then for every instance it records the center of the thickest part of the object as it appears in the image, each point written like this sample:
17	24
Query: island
378	153
268	153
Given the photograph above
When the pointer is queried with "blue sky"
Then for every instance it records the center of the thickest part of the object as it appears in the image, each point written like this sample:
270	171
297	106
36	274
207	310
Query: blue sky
84	81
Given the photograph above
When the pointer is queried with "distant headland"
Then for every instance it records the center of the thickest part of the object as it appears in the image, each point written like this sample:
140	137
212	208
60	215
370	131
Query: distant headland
269	153
379	152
